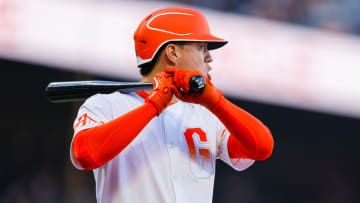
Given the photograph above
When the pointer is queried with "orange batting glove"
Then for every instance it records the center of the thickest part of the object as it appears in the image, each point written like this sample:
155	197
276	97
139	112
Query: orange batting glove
161	94
209	97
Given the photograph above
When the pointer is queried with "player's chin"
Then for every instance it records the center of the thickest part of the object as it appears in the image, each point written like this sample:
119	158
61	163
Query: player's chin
208	76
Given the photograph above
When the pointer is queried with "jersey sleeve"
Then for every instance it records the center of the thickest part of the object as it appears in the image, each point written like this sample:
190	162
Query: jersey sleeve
238	164
95	111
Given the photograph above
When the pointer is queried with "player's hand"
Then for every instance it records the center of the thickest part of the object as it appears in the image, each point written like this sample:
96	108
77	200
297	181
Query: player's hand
181	79
161	94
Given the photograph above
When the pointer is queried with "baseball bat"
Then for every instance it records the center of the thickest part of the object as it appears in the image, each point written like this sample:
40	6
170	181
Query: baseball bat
59	92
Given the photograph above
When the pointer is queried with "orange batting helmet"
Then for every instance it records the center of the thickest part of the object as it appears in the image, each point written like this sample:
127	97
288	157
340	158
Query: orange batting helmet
172	24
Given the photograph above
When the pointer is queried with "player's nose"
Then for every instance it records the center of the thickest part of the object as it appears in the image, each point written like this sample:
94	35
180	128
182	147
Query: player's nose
208	58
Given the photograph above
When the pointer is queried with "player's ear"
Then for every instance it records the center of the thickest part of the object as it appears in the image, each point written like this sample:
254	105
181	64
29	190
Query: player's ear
172	53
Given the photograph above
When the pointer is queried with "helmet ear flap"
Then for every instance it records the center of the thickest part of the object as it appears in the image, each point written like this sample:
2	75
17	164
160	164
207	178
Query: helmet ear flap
171	25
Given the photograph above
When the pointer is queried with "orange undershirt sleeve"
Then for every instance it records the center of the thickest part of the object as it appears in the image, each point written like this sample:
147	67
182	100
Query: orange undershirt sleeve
249	138
96	146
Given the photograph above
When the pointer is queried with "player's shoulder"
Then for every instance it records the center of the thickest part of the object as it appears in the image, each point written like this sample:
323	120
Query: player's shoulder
111	99
118	97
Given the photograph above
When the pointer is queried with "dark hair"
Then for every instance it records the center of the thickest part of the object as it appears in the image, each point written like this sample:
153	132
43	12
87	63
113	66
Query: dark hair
146	68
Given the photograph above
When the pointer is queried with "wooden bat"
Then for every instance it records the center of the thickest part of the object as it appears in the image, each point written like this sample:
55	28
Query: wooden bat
59	92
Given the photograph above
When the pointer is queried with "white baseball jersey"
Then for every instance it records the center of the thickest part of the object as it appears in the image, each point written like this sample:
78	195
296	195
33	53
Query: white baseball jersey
171	160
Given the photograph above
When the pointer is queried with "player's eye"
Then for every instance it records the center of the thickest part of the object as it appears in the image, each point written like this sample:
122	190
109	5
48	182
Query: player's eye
200	45
203	47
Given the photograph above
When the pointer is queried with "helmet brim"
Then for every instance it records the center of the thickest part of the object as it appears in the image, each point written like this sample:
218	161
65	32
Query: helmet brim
215	45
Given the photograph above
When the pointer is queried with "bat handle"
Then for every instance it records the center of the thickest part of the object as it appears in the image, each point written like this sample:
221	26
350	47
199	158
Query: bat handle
197	83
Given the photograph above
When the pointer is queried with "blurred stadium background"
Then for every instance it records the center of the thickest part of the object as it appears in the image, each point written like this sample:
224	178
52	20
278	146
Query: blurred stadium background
295	64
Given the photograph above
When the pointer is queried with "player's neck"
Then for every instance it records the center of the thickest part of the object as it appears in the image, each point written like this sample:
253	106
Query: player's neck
148	78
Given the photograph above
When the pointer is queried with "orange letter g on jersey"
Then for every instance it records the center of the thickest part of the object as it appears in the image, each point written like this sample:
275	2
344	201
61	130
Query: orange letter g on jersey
198	136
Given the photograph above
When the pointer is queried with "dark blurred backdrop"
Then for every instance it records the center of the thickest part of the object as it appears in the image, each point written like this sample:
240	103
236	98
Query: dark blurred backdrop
315	157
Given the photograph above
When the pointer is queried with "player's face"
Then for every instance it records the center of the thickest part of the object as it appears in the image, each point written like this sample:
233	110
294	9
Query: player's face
195	56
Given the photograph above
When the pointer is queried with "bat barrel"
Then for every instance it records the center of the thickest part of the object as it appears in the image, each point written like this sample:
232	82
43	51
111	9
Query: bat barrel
58	92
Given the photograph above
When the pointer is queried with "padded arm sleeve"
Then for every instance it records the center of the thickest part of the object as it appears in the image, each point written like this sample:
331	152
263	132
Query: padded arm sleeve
96	146
249	137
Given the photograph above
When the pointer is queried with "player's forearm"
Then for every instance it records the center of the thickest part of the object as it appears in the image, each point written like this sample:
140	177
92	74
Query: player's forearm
96	146
250	137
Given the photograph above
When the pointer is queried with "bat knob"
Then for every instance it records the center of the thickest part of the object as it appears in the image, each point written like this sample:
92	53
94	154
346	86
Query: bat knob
197	83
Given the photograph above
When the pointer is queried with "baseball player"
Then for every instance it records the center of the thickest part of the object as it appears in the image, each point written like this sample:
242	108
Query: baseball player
161	145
